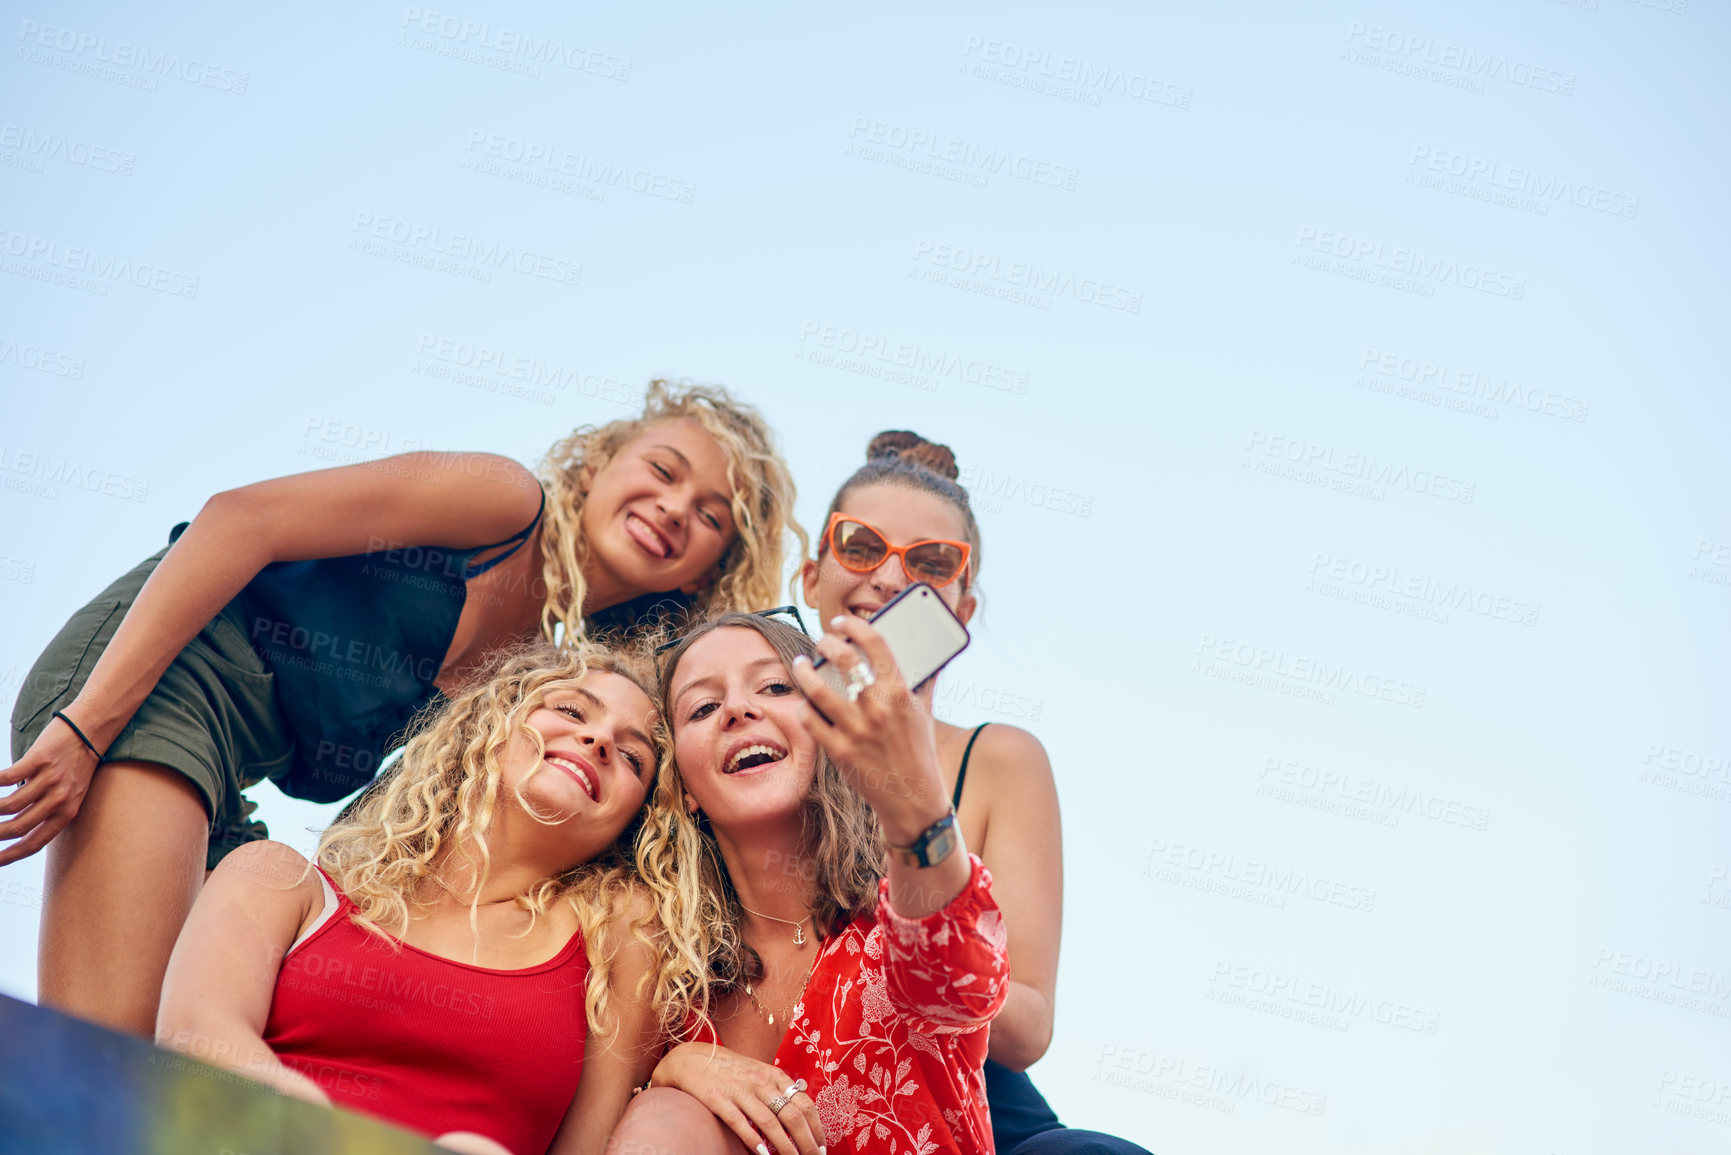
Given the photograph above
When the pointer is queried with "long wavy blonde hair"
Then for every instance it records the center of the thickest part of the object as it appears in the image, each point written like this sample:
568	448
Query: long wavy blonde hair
443	795
749	572
702	953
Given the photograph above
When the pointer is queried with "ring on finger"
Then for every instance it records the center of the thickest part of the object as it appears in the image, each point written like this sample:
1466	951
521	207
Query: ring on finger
859	676
786	1097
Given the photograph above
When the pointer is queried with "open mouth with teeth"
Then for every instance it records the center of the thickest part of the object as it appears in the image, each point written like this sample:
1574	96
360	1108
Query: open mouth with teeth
753	756
583	776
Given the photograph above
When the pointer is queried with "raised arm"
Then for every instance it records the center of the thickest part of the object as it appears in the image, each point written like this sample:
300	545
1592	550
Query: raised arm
223	973
457	500
1023	847
945	959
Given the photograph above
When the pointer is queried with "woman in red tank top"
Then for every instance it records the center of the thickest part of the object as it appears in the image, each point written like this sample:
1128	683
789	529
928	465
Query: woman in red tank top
454	962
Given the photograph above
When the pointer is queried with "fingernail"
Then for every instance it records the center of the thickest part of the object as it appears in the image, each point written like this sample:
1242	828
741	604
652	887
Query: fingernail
763	1149
798	658
837	622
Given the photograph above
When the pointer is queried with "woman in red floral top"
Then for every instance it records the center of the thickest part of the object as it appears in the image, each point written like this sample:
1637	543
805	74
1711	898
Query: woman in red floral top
822	1000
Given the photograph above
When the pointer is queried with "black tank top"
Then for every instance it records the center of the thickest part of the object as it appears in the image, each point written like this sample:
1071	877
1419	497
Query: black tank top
356	643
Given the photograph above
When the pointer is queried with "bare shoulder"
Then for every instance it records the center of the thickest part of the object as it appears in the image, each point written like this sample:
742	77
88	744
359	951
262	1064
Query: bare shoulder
1010	757
268	874
264	863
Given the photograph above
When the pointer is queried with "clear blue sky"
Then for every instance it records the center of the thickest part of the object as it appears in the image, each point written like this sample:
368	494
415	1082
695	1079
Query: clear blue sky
1342	389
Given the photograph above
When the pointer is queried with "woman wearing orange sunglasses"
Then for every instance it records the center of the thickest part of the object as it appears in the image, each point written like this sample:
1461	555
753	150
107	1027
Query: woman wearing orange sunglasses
902	518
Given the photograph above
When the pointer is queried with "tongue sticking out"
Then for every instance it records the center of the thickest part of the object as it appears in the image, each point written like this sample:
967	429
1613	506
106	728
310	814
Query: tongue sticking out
645	536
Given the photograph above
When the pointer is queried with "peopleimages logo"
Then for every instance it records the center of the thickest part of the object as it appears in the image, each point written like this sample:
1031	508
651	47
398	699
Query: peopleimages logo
555	161
895	142
1221	657
374	232
45	145
40	359
1328	999
1021	276
1417	589
84	51
1413	263
49	471
1348	787
464	39
1469	383
1069	77
1357	467
1467	63
919	358
103	267
1546	187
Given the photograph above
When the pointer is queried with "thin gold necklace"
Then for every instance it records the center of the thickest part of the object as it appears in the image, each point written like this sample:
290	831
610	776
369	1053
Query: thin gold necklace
798	927
796	998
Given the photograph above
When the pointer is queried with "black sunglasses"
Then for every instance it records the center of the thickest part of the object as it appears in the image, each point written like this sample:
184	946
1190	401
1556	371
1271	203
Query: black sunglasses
788	611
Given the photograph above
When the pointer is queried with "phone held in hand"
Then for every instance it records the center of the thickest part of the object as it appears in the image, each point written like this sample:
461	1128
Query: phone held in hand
923	635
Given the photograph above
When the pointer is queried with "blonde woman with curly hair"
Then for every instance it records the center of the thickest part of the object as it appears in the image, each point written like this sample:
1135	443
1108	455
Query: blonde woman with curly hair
295	626
816	998
463	931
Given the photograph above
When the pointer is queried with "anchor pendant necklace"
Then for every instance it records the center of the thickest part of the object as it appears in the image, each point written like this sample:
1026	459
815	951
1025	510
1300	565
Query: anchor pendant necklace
799	938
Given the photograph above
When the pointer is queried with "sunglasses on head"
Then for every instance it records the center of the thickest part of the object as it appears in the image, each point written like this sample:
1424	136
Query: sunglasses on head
778	612
860	548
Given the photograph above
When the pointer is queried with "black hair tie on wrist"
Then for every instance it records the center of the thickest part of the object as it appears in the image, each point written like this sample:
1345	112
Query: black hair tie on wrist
88	744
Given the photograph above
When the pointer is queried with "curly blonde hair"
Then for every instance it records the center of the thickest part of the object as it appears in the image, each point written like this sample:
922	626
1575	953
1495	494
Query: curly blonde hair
701	951
444	792
749	571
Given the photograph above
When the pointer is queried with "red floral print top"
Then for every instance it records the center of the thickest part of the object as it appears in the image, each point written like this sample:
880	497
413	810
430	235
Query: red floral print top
890	1034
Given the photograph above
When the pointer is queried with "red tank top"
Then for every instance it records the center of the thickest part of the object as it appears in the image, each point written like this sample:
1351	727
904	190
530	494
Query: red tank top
431	1044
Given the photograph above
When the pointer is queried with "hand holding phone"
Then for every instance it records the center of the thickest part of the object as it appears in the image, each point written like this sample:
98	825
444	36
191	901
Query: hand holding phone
883	740
923	635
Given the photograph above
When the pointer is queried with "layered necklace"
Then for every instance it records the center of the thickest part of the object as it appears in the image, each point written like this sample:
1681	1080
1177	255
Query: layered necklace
799	939
798	994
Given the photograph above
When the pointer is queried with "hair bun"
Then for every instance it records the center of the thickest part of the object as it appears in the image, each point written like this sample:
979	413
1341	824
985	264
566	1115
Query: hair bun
904	445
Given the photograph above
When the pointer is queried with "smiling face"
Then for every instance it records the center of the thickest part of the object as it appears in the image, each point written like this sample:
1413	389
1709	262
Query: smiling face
597	767
904	515
742	753
659	515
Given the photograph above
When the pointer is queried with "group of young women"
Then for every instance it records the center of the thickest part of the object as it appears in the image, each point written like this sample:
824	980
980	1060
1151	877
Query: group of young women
623	882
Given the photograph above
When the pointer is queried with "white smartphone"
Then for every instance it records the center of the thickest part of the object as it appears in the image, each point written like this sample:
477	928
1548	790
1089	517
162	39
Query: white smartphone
923	634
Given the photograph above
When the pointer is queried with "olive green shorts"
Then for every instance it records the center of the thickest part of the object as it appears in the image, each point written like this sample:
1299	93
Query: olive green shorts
212	717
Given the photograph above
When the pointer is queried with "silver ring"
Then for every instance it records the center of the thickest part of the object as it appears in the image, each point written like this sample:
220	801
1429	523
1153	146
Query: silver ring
786	1097
859	676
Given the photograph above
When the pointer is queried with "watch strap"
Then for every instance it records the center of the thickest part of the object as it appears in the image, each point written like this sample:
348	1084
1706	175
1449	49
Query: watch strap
936	843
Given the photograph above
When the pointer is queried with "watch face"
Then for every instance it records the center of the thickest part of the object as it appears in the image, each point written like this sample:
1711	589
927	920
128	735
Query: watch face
934	845
931	850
